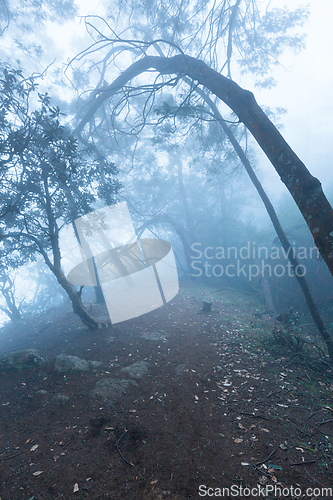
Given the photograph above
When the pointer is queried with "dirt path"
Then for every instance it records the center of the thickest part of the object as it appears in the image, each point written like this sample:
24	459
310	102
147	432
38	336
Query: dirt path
214	410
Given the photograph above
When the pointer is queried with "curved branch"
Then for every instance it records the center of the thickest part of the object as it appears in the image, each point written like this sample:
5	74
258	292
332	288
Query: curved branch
304	188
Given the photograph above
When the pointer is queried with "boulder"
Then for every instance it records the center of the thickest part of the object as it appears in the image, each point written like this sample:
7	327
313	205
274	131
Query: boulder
109	389
136	370
65	363
21	360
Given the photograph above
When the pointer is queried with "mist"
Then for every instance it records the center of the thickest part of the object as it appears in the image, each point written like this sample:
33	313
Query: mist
166	249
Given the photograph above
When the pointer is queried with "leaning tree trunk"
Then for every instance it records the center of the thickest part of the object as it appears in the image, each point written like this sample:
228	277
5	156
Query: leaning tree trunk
276	223
75	299
55	267
99	296
304	188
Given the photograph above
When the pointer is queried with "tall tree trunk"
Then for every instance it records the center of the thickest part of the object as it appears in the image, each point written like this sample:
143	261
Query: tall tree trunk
304	188
182	191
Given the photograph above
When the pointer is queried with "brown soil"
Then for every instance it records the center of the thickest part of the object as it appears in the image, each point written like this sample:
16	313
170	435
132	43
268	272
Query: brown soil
215	408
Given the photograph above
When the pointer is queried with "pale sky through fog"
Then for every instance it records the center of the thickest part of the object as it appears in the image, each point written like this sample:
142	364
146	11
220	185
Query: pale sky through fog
304	89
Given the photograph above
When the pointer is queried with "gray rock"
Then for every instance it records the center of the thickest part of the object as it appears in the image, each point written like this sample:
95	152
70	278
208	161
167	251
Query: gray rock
109	389
65	363
60	399
136	370
21	360
155	335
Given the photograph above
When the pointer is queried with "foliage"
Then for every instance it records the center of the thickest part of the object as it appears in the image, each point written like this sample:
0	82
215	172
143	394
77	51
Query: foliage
47	181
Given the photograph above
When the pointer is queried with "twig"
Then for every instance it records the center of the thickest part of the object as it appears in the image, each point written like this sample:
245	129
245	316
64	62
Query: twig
324	422
304	463
12	456
120	453
264	472
323	361
273	393
266	459
312	478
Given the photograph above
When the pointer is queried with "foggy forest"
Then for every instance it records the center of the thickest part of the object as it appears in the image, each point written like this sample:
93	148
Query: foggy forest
166	249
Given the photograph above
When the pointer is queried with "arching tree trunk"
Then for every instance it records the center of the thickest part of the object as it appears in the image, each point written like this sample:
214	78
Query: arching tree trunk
304	188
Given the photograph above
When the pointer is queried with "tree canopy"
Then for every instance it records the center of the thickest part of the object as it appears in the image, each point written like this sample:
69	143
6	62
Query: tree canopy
47	181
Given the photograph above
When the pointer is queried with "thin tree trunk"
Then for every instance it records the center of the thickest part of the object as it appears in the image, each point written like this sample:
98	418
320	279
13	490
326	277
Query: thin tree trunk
277	226
55	267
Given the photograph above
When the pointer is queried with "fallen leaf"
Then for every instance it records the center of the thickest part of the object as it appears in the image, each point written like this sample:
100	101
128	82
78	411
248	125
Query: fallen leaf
245	464
38	473
283	447
238	440
76	488
252	427
34	447
155	480
300	449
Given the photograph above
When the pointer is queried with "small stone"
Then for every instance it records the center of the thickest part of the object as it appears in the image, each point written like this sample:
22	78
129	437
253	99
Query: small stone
155	335
180	369
60	399
109	340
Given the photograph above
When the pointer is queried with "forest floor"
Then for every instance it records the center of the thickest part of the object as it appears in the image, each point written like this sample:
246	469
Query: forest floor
216	409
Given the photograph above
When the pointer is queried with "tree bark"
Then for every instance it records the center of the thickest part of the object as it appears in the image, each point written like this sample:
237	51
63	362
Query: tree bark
76	301
304	188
